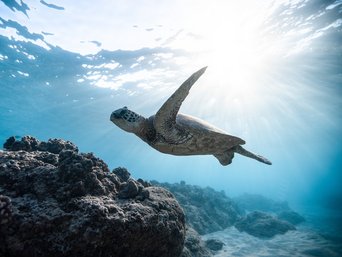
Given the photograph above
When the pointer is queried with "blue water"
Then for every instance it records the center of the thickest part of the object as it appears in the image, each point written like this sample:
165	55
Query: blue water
66	67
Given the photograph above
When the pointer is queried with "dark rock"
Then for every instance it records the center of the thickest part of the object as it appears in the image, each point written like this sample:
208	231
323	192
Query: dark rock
263	225
214	244
251	202
5	210
57	145
144	183
67	204
194	245
29	143
9	143
206	210
130	189
122	174
143	195
291	216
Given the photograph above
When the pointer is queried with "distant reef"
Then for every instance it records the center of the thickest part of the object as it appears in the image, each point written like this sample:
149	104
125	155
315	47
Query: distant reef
263	225
206	210
280	209
55	201
252	202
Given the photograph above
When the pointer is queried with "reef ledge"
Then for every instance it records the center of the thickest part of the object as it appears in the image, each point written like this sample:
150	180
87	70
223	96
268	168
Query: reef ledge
55	201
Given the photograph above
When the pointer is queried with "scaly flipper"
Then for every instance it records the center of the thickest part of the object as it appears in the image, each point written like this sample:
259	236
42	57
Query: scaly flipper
165	119
225	158
239	149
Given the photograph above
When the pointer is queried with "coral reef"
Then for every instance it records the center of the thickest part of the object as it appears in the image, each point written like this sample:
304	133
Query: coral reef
214	244
194	245
263	225
291	216
206	210
209	211
5	209
56	201
254	202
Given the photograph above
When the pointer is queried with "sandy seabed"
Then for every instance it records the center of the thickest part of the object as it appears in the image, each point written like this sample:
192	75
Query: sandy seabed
301	242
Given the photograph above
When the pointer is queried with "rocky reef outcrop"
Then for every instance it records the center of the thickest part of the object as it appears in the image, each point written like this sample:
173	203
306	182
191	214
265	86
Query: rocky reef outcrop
263	225
251	202
5	210
206	210
254	202
55	201
214	244
194	246
291	216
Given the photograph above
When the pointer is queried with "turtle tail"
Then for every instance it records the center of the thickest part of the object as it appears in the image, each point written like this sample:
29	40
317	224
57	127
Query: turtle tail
240	150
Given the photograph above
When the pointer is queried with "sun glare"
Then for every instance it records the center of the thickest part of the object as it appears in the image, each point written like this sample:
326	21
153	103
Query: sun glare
230	41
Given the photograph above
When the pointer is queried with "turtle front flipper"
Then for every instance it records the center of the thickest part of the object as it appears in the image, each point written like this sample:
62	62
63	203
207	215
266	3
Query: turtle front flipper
165	119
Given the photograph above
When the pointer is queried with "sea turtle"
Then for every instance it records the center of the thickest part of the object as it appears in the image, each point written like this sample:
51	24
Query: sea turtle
173	133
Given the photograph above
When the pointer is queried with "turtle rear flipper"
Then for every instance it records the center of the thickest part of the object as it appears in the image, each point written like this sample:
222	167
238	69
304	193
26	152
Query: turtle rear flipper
225	158
240	150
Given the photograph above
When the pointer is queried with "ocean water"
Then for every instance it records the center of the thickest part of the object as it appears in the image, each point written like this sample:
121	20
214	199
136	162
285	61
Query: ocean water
274	78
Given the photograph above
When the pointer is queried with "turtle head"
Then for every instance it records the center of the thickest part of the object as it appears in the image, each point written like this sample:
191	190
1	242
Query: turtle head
127	120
